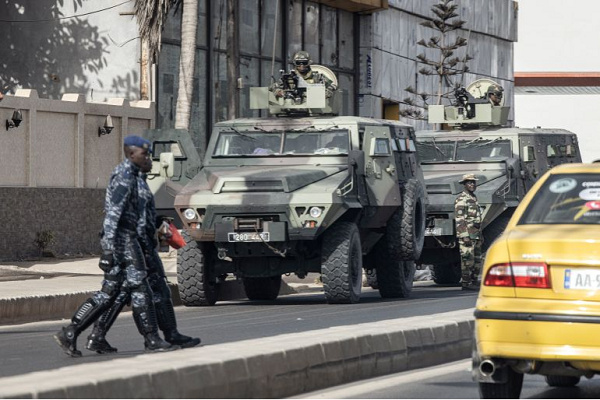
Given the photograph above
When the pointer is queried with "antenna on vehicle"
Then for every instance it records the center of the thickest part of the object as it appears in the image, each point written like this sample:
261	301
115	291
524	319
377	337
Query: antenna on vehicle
274	39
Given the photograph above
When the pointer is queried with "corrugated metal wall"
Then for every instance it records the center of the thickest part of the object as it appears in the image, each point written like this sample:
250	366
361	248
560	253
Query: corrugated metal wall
388	50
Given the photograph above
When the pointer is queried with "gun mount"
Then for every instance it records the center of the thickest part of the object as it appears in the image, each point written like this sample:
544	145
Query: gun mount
295	96
471	108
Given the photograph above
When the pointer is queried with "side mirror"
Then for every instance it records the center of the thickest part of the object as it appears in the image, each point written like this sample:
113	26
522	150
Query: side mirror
356	161
167	162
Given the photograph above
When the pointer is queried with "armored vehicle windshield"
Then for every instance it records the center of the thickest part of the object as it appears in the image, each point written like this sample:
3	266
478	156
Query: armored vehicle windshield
479	149
282	143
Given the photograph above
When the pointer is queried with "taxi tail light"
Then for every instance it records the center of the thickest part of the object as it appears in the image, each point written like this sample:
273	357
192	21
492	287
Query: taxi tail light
525	275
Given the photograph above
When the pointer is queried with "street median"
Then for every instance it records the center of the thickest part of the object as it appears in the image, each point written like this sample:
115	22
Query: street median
273	367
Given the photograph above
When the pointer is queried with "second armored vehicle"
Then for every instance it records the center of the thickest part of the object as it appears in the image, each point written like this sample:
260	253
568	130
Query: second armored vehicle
507	162
299	194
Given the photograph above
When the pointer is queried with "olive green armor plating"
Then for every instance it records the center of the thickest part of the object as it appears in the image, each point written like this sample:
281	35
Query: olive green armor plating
299	192
506	161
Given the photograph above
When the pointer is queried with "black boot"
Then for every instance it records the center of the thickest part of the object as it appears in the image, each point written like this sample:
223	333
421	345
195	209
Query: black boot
99	344
67	340
83	318
97	339
176	338
145	320
168	324
154	343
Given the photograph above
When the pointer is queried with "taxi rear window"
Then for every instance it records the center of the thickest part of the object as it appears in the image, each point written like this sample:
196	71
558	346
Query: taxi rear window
565	199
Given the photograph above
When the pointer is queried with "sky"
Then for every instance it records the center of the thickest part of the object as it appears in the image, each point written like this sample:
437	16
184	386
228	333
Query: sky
560	36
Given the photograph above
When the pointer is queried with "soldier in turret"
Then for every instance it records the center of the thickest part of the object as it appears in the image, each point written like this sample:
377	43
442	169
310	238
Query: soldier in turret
302	69
494	94
468	231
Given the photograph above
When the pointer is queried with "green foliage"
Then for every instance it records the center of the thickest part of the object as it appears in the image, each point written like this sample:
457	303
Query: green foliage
447	66
44	239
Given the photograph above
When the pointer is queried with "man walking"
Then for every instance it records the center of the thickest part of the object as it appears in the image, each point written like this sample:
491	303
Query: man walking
157	278
468	231
122	260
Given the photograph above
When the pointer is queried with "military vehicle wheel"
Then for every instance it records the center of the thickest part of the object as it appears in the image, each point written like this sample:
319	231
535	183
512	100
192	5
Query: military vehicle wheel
262	288
394	277
562	381
411	224
341	263
446	273
372	278
196	285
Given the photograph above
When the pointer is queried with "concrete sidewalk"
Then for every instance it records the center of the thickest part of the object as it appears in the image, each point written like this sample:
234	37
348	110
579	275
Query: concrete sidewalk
53	288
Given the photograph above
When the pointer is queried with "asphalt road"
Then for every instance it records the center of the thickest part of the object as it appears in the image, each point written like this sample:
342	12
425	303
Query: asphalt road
30	347
448	381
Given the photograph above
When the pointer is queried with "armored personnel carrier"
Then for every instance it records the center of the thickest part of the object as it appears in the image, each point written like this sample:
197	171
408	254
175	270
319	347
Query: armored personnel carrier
298	192
506	161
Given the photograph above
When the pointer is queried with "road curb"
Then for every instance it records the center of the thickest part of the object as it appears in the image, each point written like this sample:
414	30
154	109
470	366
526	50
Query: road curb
20	310
274	367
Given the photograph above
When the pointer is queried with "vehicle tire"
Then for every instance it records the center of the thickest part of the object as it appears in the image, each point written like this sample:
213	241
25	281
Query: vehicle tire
341	263
411	222
197	285
509	390
495	228
562	381
372	278
262	288
394	276
446	273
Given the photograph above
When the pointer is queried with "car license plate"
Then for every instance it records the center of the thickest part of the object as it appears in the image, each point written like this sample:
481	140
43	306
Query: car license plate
433	231
582	278
248	237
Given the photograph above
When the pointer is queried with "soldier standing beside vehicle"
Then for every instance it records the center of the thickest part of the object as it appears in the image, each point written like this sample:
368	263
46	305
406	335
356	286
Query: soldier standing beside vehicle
122	260
468	232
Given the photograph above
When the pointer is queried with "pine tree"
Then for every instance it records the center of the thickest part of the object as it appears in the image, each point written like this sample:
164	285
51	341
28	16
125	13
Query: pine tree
448	67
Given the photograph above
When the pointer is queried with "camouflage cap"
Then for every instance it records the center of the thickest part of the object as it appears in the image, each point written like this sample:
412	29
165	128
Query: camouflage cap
468	177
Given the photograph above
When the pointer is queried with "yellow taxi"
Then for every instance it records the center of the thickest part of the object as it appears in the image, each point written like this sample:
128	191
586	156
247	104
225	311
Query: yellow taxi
538	310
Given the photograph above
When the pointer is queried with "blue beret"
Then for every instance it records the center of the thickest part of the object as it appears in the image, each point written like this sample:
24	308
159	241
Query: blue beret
137	141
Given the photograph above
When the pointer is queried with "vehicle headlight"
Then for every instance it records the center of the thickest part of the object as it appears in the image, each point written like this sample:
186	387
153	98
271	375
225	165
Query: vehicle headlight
189	214
315	212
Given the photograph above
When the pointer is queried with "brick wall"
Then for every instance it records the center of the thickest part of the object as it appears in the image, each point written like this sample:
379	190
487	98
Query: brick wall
74	215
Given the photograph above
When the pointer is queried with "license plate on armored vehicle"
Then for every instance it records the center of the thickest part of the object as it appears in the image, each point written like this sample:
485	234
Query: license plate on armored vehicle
582	279
248	237
433	231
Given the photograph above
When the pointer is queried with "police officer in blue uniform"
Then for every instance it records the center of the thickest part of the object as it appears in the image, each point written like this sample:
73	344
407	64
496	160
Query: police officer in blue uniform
122	260
157	278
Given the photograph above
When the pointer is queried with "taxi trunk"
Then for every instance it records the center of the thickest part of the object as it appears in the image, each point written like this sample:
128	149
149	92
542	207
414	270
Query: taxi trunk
549	309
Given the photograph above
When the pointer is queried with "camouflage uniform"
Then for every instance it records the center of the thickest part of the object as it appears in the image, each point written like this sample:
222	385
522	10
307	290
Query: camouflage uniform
146	227
468	231
128	276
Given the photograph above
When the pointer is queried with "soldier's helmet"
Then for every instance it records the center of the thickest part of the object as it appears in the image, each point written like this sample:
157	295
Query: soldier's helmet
495	90
302	61
468	177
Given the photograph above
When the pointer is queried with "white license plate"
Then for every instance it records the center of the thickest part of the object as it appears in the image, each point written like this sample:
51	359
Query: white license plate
433	231
248	237
582	279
